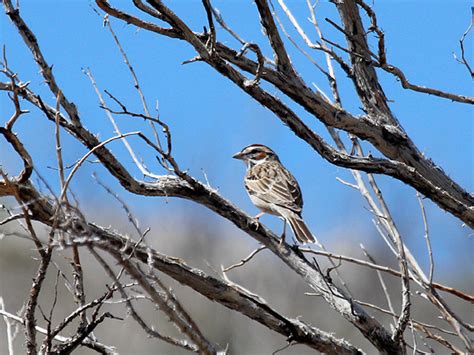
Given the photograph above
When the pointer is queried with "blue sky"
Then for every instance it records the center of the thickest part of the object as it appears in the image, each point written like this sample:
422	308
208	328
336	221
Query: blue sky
211	119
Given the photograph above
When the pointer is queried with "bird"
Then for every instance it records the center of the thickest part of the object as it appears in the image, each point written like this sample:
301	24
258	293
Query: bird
274	190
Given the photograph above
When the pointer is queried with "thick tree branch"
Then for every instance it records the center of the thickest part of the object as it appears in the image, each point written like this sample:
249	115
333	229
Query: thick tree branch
282	59
30	40
230	296
365	78
131	309
217	290
189	328
379	127
385	134
174	186
382	62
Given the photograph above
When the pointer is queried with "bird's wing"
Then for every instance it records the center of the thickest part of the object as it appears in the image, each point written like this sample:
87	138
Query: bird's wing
275	186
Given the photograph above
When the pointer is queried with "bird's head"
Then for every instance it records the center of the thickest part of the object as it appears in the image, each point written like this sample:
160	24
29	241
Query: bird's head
255	154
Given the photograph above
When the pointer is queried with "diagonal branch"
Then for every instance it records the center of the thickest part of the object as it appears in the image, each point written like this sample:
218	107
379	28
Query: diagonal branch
461	45
46	70
149	331
220	291
94	345
382	62
388	137
200	193
365	77
205	347
282	59
405	163
423	89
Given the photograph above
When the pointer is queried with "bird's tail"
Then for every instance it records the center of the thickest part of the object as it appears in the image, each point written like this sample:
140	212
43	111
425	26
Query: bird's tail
300	230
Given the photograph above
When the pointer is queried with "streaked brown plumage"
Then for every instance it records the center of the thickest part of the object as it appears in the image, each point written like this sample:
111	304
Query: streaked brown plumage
273	189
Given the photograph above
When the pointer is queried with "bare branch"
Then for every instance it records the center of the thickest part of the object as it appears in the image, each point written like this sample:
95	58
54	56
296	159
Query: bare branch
382	63
71	344
219	291
245	260
46	70
125	142
461	45
78	312
396	155
212	35
9	328
388	270
87	155
29	318
7	132
224	25
135	80
427	238
105	349
149	331
382	283
282	60
454	198
419	326
423	89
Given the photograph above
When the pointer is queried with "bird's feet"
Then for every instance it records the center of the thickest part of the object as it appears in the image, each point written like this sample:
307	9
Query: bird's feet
256	220
282	239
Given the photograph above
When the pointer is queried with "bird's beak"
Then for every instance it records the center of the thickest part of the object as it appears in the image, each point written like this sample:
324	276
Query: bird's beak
238	155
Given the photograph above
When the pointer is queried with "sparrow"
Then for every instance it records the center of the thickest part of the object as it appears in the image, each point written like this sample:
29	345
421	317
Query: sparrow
274	190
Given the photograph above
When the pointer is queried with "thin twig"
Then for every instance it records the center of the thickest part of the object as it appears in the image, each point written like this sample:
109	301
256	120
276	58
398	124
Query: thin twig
149	331
389	270
380	309
9	328
86	342
260	59
427	238
88	154
220	20
423	89
47	343
382	53
125	142
58	142
212	35
282	59
186	328
136	83
382	283
461	44
245	260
